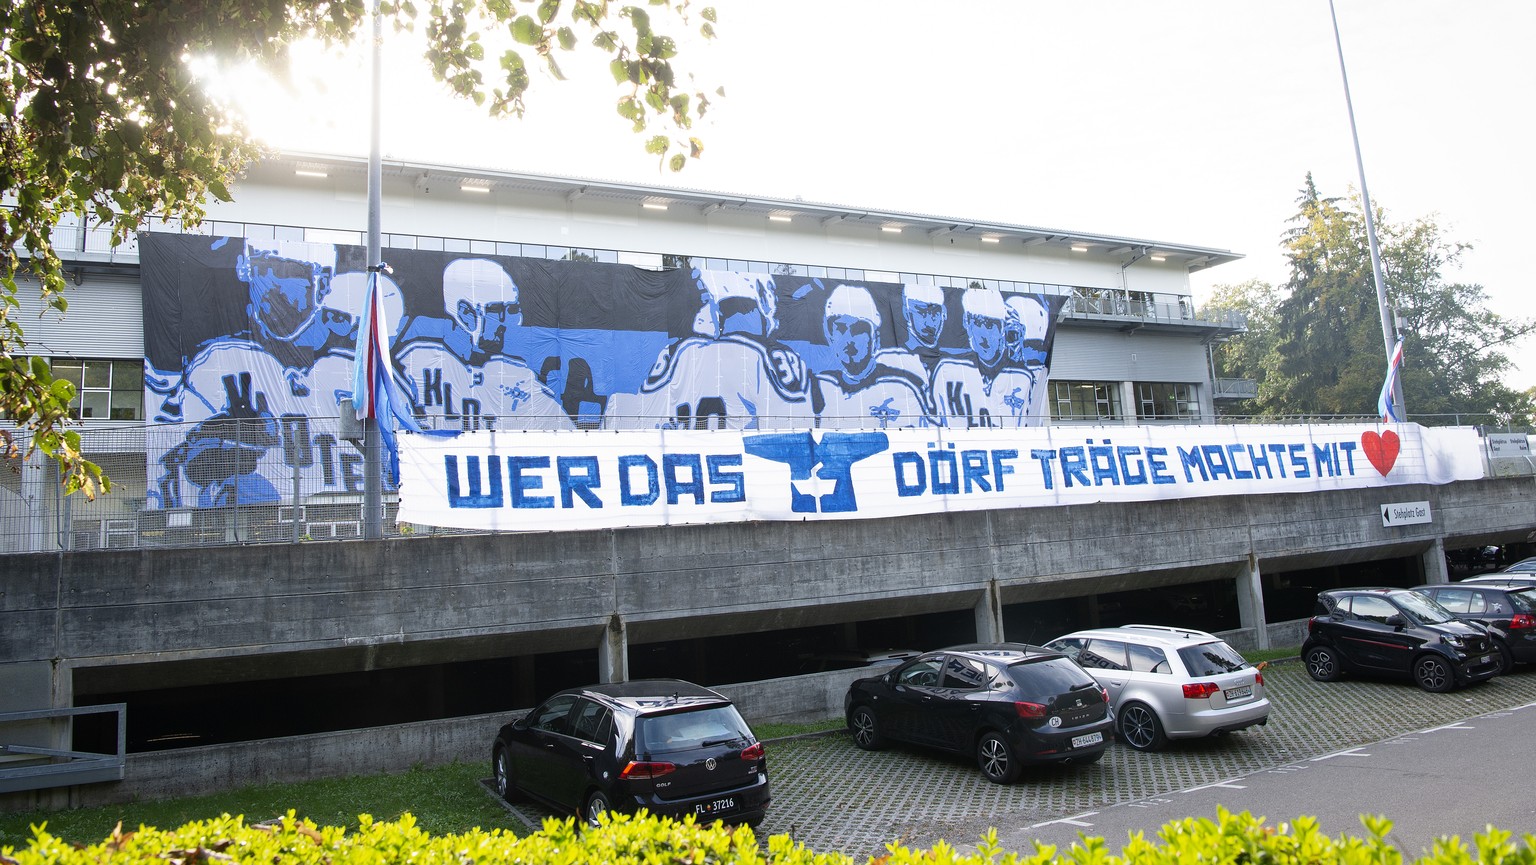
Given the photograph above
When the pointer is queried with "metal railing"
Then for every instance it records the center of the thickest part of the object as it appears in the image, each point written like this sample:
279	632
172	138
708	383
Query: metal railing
1234	388
79	243
35	767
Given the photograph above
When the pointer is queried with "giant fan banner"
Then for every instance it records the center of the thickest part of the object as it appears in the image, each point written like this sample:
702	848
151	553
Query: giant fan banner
567	481
249	344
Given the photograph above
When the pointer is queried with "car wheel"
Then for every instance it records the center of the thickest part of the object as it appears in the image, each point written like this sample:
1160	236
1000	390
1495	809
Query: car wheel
501	774
1140	728
1323	664
1506	658
1433	674
866	729
597	805
996	758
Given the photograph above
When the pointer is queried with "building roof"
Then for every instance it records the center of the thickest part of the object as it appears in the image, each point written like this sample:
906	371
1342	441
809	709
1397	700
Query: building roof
423	173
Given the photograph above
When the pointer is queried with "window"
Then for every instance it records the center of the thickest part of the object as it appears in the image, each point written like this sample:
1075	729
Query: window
921	674
1085	400
552	717
1104	655
1371	609
965	674
1211	659
1147	659
593	721
104	389
1163	400
1455	600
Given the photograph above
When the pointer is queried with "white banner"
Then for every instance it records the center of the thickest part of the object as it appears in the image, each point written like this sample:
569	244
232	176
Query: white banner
554	481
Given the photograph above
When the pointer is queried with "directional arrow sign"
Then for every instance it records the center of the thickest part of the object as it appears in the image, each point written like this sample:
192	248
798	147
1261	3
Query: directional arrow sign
1405	513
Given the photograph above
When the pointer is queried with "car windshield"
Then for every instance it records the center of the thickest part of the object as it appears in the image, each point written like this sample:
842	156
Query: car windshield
1209	659
1422	608
1523	600
1041	680
698	728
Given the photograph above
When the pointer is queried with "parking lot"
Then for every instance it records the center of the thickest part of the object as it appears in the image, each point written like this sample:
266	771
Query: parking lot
829	795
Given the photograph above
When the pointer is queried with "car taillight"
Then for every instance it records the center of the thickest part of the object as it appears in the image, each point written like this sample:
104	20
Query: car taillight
1029	710
753	752
1258	677
1200	690
1521	621
637	769
1105	691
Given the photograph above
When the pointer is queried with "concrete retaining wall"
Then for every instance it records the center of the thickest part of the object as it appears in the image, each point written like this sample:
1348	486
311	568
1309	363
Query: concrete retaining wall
246	612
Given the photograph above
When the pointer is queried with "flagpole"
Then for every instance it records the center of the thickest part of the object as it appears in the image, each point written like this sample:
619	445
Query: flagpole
373	497
1388	326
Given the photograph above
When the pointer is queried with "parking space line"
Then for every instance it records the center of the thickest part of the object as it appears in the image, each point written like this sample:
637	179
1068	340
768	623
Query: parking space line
1075	820
1229	785
1459	725
1352	752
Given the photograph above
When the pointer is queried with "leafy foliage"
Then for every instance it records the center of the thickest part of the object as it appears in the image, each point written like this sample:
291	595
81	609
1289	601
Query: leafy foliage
1231	839
1315	345
102	118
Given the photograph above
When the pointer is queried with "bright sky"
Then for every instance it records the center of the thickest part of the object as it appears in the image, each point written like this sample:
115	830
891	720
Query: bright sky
1188	121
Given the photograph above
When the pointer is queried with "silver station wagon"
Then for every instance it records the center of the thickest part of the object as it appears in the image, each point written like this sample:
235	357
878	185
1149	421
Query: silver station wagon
1169	683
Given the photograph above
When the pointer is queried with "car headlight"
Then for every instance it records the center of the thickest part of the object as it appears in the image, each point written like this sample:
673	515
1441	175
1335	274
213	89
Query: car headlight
1451	640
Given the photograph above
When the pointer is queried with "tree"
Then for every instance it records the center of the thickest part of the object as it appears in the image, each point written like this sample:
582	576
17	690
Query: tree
103	117
1315	345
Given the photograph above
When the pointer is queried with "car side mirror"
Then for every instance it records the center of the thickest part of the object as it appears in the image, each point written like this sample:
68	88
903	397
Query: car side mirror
1396	621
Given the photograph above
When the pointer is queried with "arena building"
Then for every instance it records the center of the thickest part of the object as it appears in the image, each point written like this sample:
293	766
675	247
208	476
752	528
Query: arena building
663	432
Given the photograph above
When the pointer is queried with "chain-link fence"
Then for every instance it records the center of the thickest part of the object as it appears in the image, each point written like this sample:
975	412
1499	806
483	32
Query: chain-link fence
237	481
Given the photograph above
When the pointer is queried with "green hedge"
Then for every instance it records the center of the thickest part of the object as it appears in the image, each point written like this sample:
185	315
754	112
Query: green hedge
1232	839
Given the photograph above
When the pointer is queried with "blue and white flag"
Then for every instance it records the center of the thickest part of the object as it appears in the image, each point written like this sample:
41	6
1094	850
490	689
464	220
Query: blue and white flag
374	391
1386	406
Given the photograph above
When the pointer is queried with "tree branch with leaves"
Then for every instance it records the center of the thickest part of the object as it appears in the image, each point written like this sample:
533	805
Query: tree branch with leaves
103	118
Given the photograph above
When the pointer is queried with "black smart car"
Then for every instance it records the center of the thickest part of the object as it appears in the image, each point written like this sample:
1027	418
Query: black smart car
1395	632
1007	703
1508	609
671	747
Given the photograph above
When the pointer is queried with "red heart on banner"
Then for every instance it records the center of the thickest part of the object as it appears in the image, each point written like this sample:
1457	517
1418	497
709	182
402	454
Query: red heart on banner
1381	449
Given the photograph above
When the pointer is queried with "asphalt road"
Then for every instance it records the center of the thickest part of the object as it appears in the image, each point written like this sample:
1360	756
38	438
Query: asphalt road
1453	779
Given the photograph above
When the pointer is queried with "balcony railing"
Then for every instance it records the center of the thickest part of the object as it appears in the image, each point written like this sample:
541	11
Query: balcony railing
78	243
1234	388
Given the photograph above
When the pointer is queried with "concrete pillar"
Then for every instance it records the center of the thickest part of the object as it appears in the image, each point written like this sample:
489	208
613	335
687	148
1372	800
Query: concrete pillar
613	652
1128	405
989	615
1250	601
1433	563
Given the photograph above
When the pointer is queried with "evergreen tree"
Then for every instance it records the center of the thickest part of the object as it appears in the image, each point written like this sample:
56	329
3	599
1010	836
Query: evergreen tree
1315	345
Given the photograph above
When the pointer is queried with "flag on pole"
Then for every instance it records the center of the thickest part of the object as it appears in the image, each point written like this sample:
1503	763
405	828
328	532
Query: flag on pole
375	394
1386	406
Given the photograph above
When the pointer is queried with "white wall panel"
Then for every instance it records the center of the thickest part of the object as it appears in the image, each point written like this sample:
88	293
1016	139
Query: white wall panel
1084	354
104	320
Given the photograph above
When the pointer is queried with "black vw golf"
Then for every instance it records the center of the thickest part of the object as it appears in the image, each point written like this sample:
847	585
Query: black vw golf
671	747
1007	703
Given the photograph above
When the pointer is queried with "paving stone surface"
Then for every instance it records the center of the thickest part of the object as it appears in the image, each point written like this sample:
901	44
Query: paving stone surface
829	795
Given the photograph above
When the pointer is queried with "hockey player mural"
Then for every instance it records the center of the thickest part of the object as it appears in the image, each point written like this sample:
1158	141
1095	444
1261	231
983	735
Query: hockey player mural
249	345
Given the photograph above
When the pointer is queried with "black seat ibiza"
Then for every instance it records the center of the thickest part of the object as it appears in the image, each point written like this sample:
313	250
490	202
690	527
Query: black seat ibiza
1009	704
671	747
